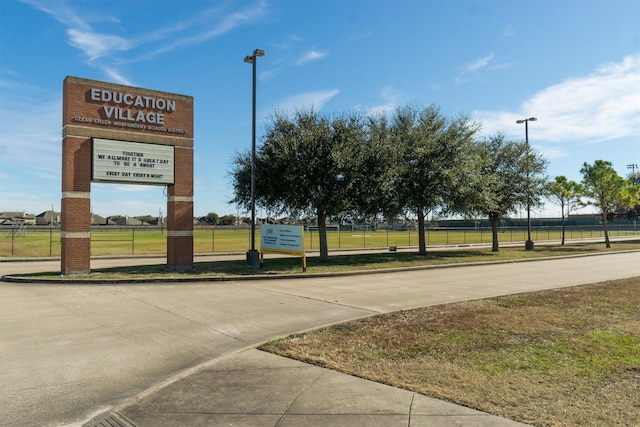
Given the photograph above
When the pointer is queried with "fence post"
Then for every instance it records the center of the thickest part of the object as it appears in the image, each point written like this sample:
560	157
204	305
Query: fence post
213	238
133	240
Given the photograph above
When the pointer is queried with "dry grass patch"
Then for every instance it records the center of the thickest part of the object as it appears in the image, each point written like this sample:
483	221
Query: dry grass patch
565	357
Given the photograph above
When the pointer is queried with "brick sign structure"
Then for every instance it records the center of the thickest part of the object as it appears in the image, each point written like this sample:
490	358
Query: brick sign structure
124	134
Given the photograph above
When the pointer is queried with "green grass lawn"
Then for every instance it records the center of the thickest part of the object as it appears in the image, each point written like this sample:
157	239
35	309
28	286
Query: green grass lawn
343	262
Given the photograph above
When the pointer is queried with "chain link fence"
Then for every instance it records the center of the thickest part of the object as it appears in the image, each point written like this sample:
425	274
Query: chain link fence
44	241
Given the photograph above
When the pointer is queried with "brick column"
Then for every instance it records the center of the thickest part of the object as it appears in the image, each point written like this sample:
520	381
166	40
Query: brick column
93	109
75	236
180	212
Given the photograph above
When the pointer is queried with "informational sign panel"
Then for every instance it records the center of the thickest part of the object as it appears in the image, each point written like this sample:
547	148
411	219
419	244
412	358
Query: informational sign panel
132	162
282	238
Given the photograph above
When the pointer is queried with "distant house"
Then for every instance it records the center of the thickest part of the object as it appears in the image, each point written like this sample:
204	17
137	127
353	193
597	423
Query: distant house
129	221
17	218
48	218
100	220
159	221
201	221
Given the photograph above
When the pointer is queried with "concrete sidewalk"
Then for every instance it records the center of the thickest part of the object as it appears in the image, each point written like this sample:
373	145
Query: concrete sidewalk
253	388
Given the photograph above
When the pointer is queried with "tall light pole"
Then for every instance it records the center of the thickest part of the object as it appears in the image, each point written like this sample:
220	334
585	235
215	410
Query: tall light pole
634	178
253	256
528	245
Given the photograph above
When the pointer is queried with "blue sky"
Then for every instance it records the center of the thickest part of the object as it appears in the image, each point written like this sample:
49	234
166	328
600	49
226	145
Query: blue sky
574	64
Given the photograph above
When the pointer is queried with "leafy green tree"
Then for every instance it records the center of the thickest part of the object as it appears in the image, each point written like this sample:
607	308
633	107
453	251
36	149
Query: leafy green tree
212	218
369	165
633	211
429	170
566	194
606	190
227	220
633	178
511	177
303	167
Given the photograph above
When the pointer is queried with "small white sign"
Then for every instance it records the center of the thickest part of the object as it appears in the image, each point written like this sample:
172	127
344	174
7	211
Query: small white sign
132	162
281	238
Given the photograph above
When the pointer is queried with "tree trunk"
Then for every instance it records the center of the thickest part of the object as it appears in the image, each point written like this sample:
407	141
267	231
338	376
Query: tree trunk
494	218
422	243
563	222
605	226
322	235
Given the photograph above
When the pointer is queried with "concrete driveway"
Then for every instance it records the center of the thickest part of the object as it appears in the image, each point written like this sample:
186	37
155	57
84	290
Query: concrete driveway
69	352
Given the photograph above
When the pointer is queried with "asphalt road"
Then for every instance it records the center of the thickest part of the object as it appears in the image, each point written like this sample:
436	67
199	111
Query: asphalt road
68	352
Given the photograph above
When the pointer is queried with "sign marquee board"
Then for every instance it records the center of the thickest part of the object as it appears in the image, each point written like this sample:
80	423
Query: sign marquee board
132	162
283	239
114	133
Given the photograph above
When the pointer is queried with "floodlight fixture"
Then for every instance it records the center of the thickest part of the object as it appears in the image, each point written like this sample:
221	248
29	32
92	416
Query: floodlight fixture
528	245
253	259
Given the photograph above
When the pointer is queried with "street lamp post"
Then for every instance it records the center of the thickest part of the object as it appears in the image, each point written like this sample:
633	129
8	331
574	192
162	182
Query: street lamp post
528	245
253	256
634	178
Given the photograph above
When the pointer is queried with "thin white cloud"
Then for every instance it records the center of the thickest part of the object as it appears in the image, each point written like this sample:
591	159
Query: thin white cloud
287	43
131	188
96	45
509	31
315	100
269	74
473	68
551	153
30	202
392	97
103	47
81	36
358	37
312	55
602	106
502	66
479	63
221	26
117	77
60	11
25	146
